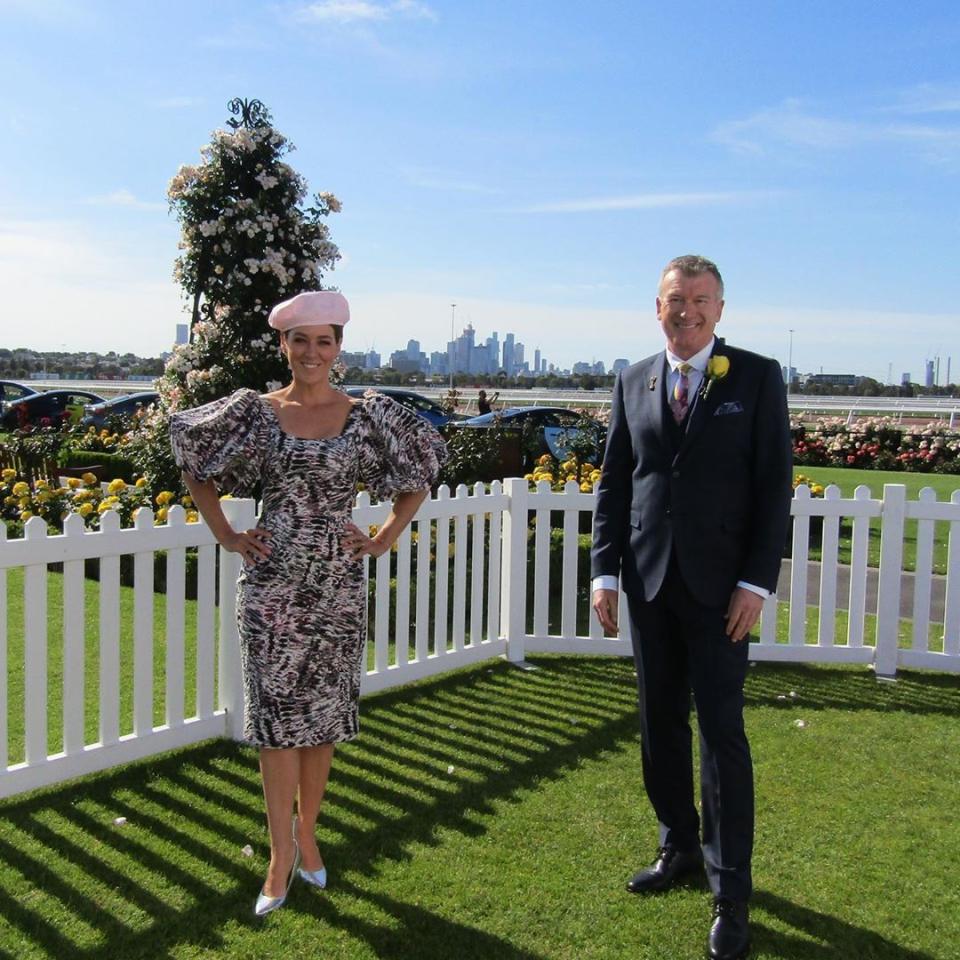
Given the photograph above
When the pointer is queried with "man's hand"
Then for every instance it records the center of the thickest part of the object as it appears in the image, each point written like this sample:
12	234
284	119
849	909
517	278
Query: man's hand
742	613
605	604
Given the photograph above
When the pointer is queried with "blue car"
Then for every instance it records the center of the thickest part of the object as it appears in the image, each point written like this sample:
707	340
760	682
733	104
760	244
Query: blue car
126	407
552	430
49	409
430	410
10	390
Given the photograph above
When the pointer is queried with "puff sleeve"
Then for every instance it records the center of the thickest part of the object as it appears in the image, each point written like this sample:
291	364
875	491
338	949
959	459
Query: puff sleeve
399	452
226	441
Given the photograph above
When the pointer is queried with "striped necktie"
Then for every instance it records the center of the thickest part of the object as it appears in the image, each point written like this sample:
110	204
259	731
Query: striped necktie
680	402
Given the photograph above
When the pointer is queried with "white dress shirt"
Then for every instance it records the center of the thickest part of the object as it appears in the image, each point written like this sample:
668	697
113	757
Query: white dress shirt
698	365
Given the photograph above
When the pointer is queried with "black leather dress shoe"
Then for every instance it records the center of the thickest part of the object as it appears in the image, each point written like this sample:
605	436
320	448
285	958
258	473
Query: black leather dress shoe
671	864
730	930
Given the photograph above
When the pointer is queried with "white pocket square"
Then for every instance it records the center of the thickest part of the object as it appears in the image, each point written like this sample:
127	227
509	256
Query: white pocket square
733	406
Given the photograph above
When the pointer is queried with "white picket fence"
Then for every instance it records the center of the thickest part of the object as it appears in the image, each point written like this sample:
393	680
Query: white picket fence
472	606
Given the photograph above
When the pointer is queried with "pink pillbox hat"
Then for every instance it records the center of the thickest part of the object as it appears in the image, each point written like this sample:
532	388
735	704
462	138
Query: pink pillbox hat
309	310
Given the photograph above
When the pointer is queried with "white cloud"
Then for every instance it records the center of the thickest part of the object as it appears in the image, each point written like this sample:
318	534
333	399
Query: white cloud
177	103
439	180
55	12
64	286
790	124
929	98
645	201
352	11
124	198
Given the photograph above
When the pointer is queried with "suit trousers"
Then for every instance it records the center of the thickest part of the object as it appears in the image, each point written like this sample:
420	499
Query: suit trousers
680	648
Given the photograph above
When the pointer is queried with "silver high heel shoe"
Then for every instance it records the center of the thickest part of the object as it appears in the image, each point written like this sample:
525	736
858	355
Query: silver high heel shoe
267	904
316	878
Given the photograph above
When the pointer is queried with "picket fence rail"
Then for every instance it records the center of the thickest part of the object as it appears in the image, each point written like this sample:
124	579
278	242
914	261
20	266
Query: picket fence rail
483	573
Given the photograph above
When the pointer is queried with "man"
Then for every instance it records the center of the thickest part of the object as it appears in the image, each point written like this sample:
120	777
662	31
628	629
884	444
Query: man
692	511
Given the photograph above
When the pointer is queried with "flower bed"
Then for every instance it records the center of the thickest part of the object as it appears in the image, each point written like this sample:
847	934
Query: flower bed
21	499
875	444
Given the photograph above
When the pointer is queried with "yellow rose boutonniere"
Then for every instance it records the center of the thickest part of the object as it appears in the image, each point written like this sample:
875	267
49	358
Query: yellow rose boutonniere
718	367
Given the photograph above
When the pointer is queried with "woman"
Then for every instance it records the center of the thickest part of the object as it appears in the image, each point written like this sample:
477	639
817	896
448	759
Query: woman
483	404
300	605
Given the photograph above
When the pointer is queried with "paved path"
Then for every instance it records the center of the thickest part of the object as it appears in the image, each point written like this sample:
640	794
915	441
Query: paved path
937	592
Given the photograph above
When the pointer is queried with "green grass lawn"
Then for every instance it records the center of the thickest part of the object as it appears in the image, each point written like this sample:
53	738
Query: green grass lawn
496	813
849	480
15	681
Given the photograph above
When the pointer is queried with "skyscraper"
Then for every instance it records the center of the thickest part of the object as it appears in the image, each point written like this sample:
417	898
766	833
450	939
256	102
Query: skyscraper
507	364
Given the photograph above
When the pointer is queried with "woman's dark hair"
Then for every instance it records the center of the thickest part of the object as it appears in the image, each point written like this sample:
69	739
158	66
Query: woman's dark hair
336	328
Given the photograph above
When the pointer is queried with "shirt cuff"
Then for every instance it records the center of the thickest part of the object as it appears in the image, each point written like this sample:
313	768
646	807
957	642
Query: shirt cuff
759	591
605	582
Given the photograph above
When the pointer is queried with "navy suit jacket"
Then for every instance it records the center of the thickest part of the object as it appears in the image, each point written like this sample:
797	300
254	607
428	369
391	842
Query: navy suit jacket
719	500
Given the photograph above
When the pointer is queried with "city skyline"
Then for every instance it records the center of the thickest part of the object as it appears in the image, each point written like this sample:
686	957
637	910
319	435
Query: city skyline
535	165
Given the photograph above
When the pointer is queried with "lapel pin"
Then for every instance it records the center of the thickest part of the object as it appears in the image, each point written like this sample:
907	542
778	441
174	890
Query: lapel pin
652	383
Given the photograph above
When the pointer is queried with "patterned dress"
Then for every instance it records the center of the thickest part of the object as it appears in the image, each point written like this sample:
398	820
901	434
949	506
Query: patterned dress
301	612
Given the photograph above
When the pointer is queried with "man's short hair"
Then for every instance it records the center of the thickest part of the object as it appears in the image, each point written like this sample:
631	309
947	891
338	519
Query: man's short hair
692	265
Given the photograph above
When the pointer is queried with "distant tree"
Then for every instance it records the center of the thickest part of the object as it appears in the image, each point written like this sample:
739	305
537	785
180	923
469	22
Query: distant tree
247	242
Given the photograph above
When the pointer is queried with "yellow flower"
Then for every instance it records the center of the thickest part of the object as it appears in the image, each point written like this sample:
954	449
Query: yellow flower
89	478
141	482
586	487
8	474
24	502
193	516
21	489
186	501
817	489
25	515
718	367
163	498
226	496
115	486
104	506
547	476
85	509
44	496
84	493
545	460
41	485
161	516
528	476
73	482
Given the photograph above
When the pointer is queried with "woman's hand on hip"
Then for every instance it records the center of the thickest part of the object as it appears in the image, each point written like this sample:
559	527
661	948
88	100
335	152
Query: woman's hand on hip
357	544
253	545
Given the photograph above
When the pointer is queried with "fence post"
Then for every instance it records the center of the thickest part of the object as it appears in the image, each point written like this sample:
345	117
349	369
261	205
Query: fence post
242	515
513	582
890	578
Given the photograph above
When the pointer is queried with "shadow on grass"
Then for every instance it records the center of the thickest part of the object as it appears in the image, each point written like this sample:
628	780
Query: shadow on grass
819	936
852	688
173	878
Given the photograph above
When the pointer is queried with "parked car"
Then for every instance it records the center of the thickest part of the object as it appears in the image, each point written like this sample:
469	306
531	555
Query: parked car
126	407
553	430
10	390
430	410
47	409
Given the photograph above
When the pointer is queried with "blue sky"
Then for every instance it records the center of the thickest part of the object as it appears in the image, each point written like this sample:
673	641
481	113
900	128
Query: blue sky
534	162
